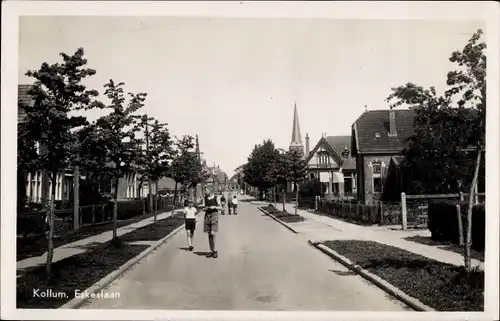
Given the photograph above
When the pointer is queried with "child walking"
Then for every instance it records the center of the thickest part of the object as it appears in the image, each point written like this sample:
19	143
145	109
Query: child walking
190	223
234	202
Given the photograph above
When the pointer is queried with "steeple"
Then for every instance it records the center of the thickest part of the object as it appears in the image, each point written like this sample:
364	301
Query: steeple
296	142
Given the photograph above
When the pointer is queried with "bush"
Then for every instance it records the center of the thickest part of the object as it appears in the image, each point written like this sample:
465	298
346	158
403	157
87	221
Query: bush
478	227
310	188
443	222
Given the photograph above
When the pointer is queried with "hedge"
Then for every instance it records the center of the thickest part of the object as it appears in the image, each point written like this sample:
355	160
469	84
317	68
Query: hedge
443	222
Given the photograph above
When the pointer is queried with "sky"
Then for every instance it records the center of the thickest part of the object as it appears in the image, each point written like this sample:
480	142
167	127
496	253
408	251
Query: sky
234	81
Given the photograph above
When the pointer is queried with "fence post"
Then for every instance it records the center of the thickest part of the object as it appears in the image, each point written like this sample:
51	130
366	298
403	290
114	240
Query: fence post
316	203
460	226
381	209
403	211
93	214
461	196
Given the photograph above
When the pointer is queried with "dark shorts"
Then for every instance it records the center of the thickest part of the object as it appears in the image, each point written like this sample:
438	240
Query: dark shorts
190	224
211	222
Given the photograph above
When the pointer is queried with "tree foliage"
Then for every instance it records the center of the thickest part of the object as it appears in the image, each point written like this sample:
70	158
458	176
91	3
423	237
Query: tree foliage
259	171
57	91
440	154
186	165
116	133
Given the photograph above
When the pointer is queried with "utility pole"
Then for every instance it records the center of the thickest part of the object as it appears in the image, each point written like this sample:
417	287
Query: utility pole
202	183
150	183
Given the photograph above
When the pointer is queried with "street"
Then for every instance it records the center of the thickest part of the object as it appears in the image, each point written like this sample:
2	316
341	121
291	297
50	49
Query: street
261	266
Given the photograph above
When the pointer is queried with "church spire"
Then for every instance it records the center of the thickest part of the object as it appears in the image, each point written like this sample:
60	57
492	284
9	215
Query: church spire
296	142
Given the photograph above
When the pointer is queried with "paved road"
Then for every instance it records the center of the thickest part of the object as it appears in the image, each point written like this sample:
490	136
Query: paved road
261	266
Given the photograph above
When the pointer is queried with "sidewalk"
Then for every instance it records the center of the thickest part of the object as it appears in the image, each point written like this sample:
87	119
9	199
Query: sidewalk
323	228
79	246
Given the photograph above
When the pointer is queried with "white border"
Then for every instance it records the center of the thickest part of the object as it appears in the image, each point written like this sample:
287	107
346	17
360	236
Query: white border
487	11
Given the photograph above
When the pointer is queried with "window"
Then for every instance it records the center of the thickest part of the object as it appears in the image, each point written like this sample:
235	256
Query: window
311	175
377	176
347	185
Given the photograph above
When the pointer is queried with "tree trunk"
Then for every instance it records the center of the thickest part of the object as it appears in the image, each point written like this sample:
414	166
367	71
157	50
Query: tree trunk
175	199
76	198
50	236
150	190
156	202
115	210
296	197
467	258
284	198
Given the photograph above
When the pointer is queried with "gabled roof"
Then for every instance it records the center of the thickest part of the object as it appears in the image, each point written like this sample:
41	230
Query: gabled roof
23	98
220	176
336	144
370	132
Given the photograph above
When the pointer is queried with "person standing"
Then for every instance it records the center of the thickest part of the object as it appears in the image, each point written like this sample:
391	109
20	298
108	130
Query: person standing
223	204
190	221
229	204
211	221
234	203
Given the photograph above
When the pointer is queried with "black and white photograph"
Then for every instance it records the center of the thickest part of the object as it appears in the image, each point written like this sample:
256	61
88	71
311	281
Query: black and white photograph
250	160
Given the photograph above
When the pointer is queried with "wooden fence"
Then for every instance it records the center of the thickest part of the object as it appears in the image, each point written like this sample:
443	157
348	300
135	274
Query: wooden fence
89	215
411	211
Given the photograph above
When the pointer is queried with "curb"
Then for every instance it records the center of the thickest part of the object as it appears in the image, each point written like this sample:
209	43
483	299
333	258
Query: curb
278	220
105	281
379	282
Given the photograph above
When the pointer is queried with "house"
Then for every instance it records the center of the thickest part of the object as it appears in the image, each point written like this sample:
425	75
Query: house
377	136
218	179
332	164
233	183
37	186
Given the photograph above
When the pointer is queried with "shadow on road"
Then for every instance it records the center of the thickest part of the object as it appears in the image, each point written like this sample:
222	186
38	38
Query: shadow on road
342	273
201	253
184	248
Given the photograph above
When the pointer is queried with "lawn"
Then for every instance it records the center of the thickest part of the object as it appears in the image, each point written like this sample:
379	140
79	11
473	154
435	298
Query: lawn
441	286
37	245
283	216
448	246
81	271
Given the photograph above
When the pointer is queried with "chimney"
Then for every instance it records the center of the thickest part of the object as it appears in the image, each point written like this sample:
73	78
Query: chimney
307	144
392	123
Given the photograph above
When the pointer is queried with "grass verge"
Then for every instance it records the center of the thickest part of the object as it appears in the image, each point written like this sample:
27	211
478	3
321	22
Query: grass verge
37	245
448	246
283	215
81	271
441	286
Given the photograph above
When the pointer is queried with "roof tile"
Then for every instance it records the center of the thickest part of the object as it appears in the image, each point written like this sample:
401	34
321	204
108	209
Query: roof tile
373	131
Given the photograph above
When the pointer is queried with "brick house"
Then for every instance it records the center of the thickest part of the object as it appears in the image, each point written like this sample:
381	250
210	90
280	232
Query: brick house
331	163
36	186
377	136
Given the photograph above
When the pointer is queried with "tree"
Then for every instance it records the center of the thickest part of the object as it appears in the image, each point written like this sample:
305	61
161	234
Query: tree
116	132
155	161
259	170
469	82
297	167
57	91
439	152
186	166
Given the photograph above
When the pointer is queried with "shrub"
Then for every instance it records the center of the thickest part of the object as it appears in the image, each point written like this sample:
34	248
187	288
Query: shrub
478	227
310	188
443	222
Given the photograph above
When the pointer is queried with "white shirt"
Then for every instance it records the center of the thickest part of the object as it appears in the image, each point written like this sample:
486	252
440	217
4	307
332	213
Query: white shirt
190	212
234	200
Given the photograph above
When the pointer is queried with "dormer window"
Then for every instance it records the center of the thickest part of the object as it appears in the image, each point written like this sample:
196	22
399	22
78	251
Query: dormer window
345	152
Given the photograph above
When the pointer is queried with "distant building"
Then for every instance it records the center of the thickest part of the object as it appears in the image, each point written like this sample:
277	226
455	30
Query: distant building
331	163
378	136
